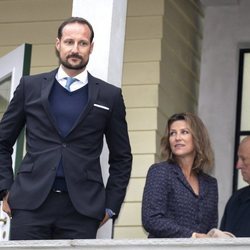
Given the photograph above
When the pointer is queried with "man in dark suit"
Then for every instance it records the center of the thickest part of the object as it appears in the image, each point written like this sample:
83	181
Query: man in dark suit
58	192
236	218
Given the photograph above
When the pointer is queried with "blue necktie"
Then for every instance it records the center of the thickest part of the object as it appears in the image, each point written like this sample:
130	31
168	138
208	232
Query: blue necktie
70	80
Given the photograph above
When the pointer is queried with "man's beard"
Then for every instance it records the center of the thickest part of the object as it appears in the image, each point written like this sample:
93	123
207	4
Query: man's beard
81	65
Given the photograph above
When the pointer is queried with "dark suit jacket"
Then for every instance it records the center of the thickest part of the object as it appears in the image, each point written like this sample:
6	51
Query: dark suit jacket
170	208
236	218
80	150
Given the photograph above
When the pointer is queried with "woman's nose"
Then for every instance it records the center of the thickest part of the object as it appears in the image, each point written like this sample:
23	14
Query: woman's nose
178	136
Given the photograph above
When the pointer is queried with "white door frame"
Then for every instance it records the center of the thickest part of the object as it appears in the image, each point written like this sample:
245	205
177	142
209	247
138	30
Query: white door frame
13	65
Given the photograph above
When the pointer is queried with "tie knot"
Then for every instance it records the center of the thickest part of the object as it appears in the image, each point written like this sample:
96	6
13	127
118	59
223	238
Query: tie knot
70	80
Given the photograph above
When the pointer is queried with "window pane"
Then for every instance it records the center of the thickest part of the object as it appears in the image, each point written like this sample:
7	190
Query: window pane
4	94
245	117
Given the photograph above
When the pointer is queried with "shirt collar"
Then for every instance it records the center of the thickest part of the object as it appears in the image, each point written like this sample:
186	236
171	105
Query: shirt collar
82	77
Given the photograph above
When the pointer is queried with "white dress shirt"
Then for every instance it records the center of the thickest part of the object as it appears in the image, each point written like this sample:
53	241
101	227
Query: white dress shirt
82	79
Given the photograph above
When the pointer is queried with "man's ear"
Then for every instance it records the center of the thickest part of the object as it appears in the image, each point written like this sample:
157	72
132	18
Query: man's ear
91	47
57	43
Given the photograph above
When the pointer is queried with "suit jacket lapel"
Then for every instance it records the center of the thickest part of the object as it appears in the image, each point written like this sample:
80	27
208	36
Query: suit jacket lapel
93	89
182	178
203	185
47	83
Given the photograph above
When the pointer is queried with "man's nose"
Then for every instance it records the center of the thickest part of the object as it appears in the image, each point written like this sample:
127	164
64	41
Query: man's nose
239	164
75	47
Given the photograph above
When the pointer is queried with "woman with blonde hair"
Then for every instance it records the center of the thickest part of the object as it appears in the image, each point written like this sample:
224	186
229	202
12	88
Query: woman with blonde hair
180	199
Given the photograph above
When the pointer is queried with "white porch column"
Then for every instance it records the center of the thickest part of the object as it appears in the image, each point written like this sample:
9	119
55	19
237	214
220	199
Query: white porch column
108	18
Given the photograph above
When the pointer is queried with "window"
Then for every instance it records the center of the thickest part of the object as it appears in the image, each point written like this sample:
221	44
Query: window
243	110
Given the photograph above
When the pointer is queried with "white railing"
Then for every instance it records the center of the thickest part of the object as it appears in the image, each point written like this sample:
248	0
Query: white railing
148	244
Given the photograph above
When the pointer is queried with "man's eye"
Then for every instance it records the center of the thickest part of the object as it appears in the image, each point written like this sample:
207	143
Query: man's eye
83	43
68	42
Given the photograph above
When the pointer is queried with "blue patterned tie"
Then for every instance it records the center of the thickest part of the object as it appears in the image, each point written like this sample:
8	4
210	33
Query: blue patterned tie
70	80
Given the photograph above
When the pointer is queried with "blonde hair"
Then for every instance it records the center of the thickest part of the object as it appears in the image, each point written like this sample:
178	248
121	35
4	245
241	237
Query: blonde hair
204	158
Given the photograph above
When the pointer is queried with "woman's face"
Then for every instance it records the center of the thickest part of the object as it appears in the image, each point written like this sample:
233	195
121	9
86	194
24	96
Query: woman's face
181	139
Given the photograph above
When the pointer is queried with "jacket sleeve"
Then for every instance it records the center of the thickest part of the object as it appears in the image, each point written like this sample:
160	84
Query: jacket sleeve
225	218
10	127
223	221
214	222
120	158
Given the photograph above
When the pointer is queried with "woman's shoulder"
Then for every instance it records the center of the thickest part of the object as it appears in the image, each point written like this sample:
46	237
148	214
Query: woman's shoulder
162	167
208	178
159	174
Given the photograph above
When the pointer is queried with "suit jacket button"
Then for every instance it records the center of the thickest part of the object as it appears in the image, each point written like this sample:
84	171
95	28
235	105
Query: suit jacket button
64	145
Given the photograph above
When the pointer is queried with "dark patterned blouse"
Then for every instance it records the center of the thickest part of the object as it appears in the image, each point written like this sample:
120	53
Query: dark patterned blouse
171	209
